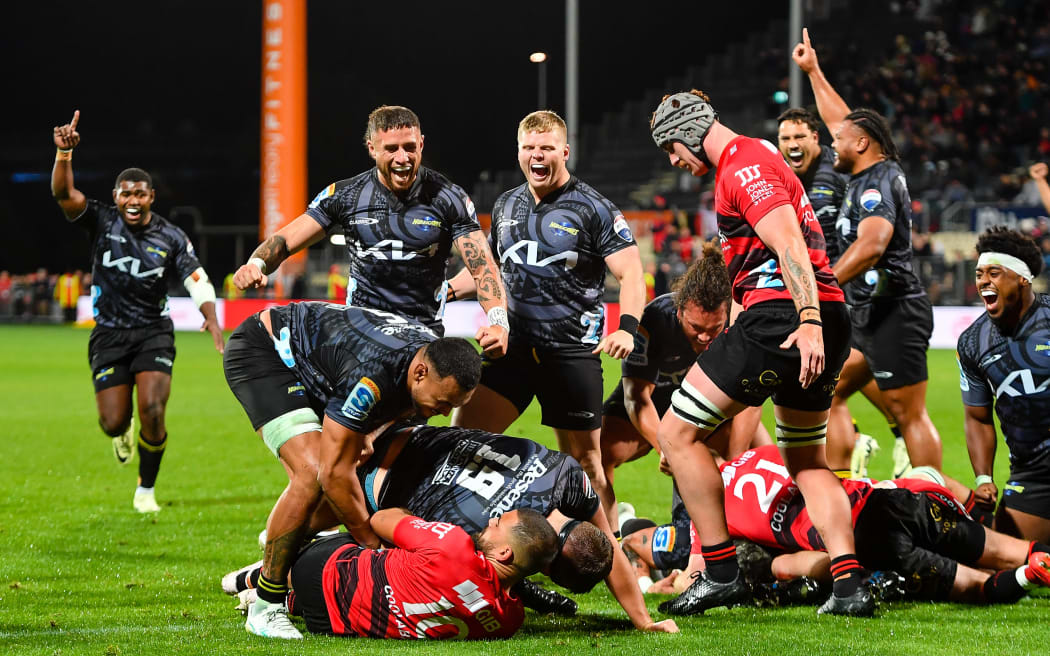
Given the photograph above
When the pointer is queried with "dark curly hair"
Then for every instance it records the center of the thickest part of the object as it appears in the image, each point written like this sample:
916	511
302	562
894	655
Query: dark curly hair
800	115
876	127
706	282
1000	239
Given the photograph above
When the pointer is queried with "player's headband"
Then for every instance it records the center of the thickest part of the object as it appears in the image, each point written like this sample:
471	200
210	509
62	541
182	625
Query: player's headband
563	534
1007	262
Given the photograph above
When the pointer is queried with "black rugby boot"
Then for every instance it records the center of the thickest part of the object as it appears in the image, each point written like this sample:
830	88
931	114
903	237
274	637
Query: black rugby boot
705	593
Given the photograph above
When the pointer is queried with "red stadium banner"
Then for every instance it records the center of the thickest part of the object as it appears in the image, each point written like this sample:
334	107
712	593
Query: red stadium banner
282	171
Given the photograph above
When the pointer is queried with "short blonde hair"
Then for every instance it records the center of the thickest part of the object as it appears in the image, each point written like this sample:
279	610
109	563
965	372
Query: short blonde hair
543	120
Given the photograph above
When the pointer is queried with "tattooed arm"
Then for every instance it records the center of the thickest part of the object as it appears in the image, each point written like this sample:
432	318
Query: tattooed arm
779	230
488	287
301	233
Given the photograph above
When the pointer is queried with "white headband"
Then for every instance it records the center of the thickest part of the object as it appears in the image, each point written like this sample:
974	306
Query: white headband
1007	262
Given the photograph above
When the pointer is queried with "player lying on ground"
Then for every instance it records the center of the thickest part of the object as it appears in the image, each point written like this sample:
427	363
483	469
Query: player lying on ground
436	582
911	526
466	477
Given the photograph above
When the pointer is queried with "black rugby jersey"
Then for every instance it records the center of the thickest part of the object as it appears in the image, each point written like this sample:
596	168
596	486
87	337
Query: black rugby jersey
131	270
826	189
880	190
352	361
552	259
398	246
467	476
662	355
1013	373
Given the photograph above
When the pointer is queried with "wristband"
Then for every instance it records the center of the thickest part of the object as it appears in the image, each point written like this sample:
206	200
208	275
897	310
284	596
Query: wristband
982	479
259	264
498	317
64	154
808	307
628	324
815	322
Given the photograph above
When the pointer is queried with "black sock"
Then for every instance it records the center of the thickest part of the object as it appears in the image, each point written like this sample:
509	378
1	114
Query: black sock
271	591
249	579
1003	588
845	575
720	560
149	459
895	429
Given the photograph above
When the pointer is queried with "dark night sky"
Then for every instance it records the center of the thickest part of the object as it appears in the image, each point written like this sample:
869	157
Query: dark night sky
174	87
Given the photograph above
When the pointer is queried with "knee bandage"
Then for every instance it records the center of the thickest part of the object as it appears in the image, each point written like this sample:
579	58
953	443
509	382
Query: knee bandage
792	436
278	431
689	405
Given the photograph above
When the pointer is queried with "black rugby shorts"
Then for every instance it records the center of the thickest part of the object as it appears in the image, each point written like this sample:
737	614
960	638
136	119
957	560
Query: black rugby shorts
566	382
894	335
748	364
117	354
265	387
1028	489
919	535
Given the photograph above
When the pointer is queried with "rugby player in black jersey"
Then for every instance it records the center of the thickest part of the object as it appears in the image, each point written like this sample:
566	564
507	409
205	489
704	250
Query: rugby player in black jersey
358	369
798	137
554	237
400	220
136	253
890	312
1004	358
466	476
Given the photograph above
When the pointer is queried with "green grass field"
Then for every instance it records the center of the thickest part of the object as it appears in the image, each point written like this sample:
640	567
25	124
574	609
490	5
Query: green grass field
82	573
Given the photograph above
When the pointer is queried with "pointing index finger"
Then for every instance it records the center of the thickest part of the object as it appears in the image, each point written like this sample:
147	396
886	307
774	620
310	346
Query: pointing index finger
76	117
805	36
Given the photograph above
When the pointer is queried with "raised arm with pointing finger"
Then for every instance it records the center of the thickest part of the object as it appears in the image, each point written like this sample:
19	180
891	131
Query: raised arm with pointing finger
832	108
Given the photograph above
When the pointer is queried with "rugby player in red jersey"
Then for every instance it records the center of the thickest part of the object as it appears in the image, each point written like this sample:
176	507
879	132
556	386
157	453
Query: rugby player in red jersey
437	582
788	343
914	527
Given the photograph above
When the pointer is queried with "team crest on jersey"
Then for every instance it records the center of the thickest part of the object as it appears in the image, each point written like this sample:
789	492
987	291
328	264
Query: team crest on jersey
870	199
621	228
325	193
664	538
362	398
471	212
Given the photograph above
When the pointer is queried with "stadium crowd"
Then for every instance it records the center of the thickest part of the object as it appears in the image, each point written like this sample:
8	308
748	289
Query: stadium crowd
811	297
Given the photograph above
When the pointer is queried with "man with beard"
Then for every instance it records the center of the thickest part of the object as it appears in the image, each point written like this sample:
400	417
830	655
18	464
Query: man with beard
890	312
400	220
436	583
1004	358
